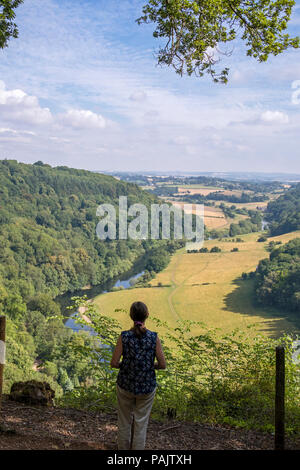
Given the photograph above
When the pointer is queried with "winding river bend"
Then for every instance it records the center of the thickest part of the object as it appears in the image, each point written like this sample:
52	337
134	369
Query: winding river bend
125	281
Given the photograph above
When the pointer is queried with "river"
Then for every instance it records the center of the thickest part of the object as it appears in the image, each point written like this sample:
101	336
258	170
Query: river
124	281
264	225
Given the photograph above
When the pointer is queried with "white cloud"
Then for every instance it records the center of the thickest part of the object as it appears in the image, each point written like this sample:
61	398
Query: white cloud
16	105
83	119
138	96
276	117
6	130
58	139
181	140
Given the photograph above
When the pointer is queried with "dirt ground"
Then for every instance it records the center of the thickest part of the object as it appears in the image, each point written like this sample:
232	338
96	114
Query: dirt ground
69	429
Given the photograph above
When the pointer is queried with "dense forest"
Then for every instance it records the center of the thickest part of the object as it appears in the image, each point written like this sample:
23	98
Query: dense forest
48	221
278	278
284	213
49	247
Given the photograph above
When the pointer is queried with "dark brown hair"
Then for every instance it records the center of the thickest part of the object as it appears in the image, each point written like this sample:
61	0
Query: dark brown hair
138	312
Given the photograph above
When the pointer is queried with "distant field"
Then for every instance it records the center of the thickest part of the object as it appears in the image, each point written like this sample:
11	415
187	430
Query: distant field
205	287
246	205
201	186
202	191
206	190
213	216
189	186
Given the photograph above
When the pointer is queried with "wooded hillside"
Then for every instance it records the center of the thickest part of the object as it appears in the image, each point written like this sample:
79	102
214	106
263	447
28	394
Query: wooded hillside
49	246
284	212
278	278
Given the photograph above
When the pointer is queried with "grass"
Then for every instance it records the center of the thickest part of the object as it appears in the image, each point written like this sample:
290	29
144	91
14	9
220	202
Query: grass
242	205
213	216
205	287
199	186
188	186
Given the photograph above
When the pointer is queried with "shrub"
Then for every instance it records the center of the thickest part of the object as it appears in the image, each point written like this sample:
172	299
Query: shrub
215	249
215	378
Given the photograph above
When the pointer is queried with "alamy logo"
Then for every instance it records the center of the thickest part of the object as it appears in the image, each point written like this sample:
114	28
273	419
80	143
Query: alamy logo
185	221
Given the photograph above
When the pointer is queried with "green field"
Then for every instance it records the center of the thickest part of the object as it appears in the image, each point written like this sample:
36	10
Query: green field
205	287
188	186
199	186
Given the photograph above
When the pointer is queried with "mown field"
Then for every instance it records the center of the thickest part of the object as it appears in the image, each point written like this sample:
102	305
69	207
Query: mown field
204	190
244	205
194	190
214	217
205	287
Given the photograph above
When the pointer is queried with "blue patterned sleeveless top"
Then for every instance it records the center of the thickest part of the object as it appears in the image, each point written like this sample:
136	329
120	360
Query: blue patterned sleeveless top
137	374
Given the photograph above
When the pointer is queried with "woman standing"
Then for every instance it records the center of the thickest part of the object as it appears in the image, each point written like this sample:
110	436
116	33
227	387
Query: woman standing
136	382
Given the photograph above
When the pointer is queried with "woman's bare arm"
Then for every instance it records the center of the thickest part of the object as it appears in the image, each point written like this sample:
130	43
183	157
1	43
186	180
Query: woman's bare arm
161	362
115	360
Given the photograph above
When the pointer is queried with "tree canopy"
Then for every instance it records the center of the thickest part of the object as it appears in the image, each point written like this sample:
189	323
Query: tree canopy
195	31
8	28
284	213
278	278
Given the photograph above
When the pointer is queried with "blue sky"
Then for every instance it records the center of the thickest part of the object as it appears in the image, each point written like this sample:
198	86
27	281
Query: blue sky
80	87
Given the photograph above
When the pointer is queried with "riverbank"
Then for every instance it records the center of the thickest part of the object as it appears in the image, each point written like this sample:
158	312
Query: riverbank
90	292
123	283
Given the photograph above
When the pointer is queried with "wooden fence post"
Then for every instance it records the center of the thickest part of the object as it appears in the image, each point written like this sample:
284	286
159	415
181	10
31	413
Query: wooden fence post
279	399
132	432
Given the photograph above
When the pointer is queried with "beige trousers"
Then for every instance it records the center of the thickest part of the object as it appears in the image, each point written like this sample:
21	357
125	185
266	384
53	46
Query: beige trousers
137	407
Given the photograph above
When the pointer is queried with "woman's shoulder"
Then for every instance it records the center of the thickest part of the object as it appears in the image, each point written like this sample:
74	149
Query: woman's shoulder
126	332
126	337
153	334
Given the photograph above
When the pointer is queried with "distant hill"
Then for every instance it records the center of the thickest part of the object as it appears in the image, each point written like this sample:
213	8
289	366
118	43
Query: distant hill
232	176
